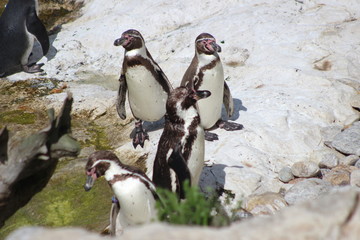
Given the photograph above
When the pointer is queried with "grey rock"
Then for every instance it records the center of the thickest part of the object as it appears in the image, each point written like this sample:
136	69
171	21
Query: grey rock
355	101
357	164
307	189
348	141
334	216
305	169
329	161
349	160
328	133
355	178
285	175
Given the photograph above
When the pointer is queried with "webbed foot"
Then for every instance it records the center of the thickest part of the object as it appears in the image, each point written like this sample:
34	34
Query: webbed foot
209	136
229	126
34	68
140	135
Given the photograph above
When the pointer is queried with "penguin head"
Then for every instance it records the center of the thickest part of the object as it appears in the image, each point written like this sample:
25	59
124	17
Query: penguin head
205	43
98	163
182	99
130	39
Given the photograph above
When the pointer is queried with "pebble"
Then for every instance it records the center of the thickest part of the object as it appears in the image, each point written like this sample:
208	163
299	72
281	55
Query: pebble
338	177
305	169
265	204
307	189
357	164
285	175
329	160
348	141
355	178
349	160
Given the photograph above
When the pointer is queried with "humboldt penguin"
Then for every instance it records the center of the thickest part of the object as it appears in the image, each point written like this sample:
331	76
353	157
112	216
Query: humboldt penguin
135	193
180	153
145	82
19	24
206	73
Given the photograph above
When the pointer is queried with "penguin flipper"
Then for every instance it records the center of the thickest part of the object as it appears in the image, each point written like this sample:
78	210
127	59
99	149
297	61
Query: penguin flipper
177	162
37	28
115	208
228	100
120	102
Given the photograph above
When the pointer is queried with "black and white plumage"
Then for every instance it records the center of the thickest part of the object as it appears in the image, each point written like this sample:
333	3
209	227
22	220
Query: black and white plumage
19	24
145	82
206	73
133	189
180	153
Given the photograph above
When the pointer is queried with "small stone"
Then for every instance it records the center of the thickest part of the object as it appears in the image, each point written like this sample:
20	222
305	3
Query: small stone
307	189
328	133
355	101
338	177
265	204
305	169
357	164
329	160
355	178
285	175
349	160
348	141
296	180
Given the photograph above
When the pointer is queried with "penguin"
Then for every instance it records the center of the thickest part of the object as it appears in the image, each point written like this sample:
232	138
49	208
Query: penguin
180	153
135	193
145	82
19	24
206	73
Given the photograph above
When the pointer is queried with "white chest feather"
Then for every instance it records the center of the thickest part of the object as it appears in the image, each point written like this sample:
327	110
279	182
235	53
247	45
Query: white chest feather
210	108
146	96
137	204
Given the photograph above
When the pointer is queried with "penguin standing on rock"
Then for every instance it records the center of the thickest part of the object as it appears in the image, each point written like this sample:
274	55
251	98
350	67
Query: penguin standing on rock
147	85
134	191
180	153
19	23
206	73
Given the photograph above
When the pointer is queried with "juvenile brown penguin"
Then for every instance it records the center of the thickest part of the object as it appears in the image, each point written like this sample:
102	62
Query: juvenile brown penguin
180	153
206	73
146	83
132	188
19	24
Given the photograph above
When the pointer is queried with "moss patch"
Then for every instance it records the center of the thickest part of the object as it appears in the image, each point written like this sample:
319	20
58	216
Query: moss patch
18	117
98	138
64	202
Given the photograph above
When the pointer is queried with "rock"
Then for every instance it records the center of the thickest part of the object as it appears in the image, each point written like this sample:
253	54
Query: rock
355	101
328	133
329	161
285	175
307	189
337	178
265	204
349	160
342	222
355	178
348	141
357	164
305	169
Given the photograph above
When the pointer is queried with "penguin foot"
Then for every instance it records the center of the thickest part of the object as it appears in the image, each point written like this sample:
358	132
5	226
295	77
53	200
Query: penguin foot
139	138
33	68
229	126
211	136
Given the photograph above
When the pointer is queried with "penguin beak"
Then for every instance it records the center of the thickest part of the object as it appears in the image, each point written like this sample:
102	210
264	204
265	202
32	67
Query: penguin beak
215	46
120	41
202	94
90	180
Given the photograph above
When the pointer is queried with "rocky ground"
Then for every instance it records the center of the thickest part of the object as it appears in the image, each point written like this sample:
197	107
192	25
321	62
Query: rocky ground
292	67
